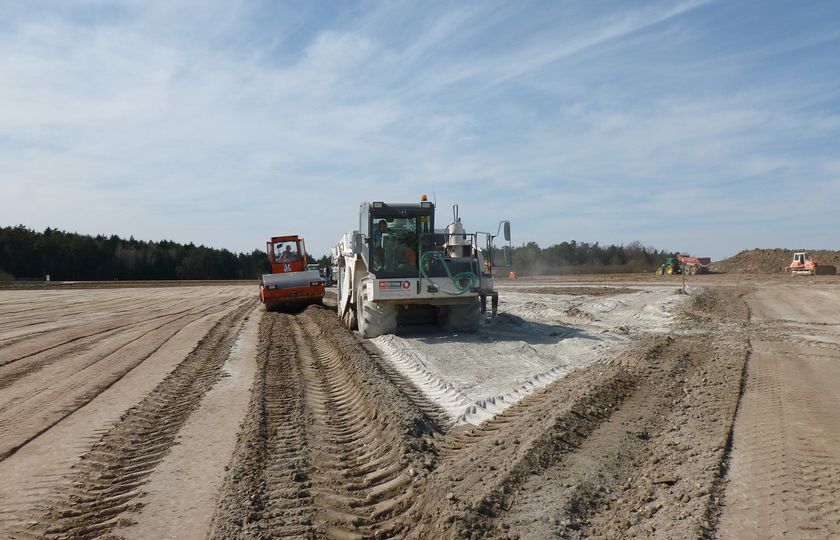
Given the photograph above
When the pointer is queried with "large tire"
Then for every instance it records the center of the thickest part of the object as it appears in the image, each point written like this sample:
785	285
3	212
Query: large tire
659	271
374	319
463	317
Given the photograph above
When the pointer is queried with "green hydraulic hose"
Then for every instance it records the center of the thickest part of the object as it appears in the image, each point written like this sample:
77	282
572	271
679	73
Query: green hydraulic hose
469	277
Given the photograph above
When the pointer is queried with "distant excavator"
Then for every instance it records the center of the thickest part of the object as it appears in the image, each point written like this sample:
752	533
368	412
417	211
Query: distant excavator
290	283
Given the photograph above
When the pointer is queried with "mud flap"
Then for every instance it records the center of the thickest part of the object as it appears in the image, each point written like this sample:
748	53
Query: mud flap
494	305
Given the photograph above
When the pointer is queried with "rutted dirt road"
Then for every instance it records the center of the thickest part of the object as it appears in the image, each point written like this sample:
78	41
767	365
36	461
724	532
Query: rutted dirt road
191	413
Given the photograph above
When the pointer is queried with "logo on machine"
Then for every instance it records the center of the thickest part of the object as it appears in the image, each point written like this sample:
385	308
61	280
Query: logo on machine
388	284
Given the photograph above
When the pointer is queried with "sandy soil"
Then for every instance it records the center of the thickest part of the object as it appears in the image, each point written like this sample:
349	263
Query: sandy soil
536	340
784	477
73	363
624	408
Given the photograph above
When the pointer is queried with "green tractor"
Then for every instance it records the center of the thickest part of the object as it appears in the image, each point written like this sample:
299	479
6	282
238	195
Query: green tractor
670	266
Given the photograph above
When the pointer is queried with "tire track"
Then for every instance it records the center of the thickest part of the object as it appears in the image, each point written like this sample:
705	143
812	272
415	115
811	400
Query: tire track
107	481
358	478
332	447
95	330
27	417
434	412
11	371
785	473
268	487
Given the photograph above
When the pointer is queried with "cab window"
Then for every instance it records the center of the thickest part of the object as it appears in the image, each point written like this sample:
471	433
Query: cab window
286	252
393	245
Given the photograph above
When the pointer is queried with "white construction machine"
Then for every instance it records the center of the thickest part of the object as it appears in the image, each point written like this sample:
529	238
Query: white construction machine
398	269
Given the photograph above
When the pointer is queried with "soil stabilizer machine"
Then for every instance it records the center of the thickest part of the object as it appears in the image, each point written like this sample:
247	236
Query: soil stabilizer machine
290	282
398	269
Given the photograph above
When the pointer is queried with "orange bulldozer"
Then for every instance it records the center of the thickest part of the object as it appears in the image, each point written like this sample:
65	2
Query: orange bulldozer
804	265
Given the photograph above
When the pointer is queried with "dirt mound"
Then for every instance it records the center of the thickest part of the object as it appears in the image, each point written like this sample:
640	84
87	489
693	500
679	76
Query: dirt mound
770	261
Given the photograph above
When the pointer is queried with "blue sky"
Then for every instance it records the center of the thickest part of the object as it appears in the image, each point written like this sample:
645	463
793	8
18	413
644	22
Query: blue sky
699	126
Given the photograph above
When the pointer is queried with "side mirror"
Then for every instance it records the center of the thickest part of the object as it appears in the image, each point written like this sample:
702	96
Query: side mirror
507	231
508	255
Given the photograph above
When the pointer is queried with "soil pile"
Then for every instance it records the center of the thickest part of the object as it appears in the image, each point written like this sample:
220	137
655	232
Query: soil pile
770	261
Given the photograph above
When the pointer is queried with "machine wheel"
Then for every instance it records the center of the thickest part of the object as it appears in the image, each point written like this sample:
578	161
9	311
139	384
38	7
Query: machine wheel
463	317
669	270
659	271
374	319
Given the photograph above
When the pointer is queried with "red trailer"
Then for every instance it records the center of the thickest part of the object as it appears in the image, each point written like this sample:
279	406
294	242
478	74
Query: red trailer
694	265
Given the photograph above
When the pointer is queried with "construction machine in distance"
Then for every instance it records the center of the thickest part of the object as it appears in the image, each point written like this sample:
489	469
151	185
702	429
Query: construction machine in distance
291	283
685	264
804	265
670	266
397	269
694	265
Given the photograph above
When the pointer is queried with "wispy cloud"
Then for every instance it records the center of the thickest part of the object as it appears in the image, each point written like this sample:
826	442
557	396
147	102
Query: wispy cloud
226	122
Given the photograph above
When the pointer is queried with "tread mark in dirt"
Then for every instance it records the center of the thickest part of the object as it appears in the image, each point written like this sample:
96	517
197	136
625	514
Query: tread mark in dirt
77	343
10	416
790	482
435	413
268	487
92	329
354	440
360	479
107	480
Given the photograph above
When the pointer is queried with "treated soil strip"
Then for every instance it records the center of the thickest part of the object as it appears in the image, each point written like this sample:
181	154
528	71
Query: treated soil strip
107	481
481	466
330	447
71	328
626	448
63	285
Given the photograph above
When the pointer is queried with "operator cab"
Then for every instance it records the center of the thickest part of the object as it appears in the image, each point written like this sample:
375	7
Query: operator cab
286	254
397	234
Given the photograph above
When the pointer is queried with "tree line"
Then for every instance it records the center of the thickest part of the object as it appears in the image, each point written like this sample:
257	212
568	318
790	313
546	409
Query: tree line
64	256
584	258
28	254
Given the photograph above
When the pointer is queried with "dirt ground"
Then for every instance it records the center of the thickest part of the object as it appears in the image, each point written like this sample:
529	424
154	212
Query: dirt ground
771	261
629	406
